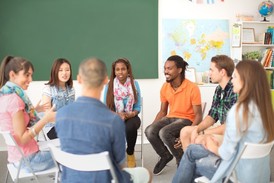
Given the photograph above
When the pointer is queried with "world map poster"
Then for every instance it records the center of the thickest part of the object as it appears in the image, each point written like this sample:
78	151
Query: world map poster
197	41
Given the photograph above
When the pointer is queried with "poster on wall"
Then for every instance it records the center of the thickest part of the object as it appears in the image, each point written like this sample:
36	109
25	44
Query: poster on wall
196	40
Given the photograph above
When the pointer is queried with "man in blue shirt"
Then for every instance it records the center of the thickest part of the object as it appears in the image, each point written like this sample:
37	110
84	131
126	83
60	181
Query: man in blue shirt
88	126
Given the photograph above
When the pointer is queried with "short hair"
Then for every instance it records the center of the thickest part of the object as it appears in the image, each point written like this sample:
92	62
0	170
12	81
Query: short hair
93	72
224	62
180	63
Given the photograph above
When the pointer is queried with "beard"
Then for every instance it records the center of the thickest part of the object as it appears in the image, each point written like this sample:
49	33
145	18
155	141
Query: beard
169	80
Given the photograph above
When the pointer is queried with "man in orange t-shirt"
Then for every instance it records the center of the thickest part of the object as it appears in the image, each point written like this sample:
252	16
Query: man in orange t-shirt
183	99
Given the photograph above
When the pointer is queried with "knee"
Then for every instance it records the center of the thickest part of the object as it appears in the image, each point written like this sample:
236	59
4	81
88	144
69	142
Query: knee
163	134
186	132
149	131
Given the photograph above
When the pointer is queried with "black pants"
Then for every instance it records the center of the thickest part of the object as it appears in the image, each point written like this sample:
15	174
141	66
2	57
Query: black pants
132	126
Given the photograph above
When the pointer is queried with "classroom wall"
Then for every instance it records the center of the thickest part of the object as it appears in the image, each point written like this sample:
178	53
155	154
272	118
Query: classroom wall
176	9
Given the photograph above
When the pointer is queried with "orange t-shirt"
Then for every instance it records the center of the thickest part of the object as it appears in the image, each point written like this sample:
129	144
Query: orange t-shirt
182	100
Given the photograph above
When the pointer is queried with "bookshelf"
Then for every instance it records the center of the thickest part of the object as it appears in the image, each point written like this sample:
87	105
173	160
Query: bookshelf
257	44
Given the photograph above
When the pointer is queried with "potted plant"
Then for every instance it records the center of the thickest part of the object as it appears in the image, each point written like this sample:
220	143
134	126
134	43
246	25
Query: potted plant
253	55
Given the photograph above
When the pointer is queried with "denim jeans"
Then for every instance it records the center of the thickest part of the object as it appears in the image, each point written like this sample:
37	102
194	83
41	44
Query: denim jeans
196	161
164	132
42	160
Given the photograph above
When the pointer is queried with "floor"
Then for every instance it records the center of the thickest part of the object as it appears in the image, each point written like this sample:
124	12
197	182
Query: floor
150	159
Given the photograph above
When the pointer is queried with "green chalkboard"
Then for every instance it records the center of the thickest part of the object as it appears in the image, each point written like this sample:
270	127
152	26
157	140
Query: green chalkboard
43	30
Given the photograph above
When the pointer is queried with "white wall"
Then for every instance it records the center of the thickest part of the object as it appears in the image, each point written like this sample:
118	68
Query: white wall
175	9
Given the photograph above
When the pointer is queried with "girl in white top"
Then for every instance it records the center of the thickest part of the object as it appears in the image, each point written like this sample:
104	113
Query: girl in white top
59	90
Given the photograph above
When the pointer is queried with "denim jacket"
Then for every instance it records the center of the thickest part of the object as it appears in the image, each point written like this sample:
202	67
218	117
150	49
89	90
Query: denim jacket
59	97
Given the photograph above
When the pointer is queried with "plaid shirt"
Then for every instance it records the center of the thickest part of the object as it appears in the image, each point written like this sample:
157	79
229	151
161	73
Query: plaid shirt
223	100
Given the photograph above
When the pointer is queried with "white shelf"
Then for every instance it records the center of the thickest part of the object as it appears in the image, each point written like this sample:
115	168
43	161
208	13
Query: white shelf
269	68
257	45
256	22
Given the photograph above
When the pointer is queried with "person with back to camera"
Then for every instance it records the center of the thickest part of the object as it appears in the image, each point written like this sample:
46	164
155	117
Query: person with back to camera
183	99
123	96
221	70
249	120
18	115
59	90
87	126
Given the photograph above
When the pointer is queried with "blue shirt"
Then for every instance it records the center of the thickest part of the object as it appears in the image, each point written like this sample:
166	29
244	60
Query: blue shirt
88	126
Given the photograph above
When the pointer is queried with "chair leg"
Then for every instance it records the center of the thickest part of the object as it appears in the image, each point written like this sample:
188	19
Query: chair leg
142	148
56	177
6	179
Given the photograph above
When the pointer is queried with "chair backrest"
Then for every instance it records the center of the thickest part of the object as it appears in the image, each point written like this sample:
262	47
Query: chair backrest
250	151
86	162
9	140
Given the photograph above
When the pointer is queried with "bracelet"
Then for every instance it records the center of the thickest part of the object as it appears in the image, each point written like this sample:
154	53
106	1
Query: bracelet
33	132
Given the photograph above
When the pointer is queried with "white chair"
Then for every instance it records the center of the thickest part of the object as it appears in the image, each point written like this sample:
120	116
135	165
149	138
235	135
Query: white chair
88	162
249	151
16	173
140	134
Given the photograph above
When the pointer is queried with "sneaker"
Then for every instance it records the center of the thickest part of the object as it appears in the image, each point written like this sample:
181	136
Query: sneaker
159	167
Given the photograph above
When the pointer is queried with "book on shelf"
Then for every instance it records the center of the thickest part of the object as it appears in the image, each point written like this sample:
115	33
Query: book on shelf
268	58
270	29
272	96
270	78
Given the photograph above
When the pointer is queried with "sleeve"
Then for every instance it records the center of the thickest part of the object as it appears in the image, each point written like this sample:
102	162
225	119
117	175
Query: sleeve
15	104
119	140
231	137
213	112
162	93
46	91
196	95
137	106
105	94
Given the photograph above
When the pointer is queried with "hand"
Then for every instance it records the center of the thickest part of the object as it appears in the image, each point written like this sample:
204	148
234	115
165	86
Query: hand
212	144
178	143
122	115
43	107
50	115
194	135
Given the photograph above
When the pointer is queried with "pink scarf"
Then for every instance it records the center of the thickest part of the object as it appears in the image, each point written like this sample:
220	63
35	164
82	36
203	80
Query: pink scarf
123	91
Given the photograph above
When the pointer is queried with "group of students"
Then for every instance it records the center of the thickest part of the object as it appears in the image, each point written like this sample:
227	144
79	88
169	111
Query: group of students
241	103
84	126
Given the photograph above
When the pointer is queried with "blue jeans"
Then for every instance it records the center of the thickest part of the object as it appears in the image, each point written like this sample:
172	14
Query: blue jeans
164	132
39	161
196	161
